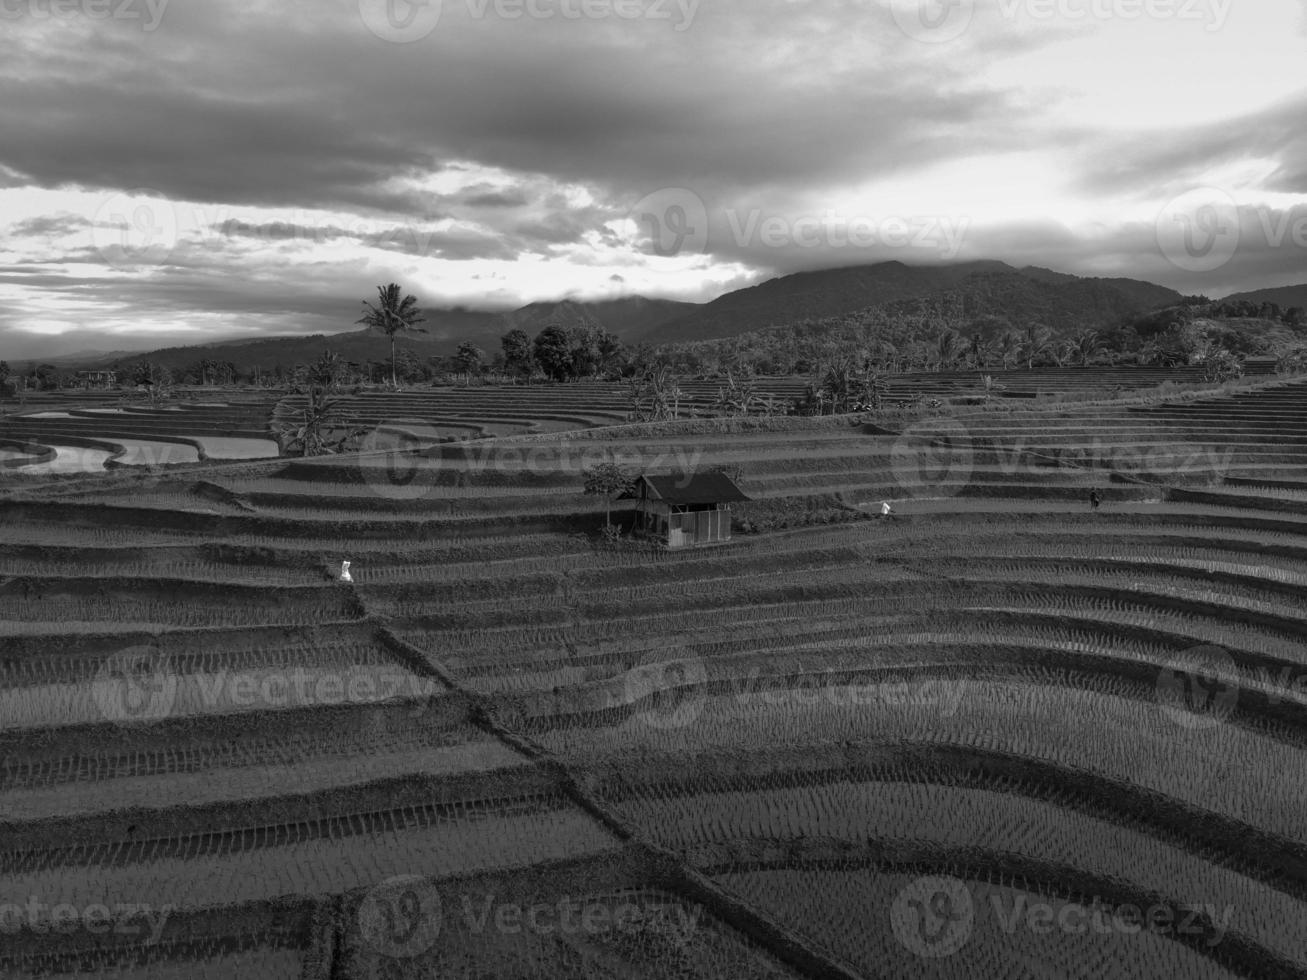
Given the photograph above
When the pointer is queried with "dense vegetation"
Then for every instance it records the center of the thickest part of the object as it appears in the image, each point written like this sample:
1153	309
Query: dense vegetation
985	320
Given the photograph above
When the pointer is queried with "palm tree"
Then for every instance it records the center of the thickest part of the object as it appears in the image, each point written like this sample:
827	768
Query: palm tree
325	373
1086	345
655	395
872	389
392	315
837	384
320	429
1038	341
950	347
1009	348
737	397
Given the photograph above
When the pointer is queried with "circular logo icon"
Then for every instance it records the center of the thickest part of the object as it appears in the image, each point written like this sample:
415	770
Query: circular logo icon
933	458
1199	231
136	686
1199	688
134	228
933	21
672	221
394	466
667	693
933	917
400	21
401	917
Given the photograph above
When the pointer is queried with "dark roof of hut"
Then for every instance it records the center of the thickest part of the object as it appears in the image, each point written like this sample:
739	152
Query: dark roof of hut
689	488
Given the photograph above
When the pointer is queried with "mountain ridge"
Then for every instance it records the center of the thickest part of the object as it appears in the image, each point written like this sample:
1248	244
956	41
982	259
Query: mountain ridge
940	292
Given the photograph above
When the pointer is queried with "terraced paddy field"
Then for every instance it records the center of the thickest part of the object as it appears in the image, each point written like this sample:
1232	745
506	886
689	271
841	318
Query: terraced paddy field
999	734
90	431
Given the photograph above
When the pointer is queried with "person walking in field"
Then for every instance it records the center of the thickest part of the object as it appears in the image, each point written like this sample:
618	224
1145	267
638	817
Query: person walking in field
1095	499
345	576
885	509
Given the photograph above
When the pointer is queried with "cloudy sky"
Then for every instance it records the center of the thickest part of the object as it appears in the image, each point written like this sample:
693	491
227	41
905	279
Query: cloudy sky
172	172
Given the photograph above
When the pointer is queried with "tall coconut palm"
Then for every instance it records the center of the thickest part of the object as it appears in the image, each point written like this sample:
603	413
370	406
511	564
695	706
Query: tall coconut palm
393	314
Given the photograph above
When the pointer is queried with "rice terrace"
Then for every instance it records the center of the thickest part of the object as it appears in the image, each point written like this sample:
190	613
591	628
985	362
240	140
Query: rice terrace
653	490
507	748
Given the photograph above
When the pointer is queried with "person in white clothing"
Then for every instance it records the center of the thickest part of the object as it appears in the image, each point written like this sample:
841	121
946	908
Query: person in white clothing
344	572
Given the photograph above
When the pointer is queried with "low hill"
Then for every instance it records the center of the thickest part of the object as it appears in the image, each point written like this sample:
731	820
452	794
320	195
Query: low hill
1144	295
1066	304
985	303
268	353
1285	297
630	319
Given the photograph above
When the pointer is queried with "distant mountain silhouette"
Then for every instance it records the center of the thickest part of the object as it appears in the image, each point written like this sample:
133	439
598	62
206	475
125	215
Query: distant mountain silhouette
956	296
984	304
815	295
953	294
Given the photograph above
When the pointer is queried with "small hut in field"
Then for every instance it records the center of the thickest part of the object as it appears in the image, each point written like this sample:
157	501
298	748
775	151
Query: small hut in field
685	510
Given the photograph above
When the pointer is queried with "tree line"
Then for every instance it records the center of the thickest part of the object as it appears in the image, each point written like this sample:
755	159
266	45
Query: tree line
916	336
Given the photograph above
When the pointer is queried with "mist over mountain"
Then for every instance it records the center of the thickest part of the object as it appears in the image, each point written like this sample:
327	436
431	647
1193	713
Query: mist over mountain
631	318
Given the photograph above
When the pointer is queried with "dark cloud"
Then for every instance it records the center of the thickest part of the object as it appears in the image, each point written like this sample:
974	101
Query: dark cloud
758	108
1184	155
489	198
260	111
48	225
